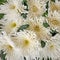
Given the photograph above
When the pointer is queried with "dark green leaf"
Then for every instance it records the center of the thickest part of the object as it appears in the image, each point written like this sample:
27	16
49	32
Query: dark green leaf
45	24
42	58
1	24
24	2
53	32
24	58
53	0
2	2
2	55
47	6
0	27
24	15
48	58
43	44
23	27
1	15
45	14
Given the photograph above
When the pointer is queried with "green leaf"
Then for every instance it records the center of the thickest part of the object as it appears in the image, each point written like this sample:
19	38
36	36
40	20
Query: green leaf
47	6
45	24
1	24
49	58
45	14
24	15
1	15
43	58
53	0
2	2
24	58
53	32
24	2
43	44
23	27
2	55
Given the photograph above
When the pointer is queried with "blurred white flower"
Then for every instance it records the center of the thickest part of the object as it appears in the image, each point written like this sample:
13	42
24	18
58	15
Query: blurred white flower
36	25
9	48
36	8
27	42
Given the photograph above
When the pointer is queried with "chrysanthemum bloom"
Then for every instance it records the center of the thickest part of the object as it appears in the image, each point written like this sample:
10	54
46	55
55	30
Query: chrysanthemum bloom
55	6
54	20
10	6
27	42
36	8
50	50
36	25
10	25
12	9
9	48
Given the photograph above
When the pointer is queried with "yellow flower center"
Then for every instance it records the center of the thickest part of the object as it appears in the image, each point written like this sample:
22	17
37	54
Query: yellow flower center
9	48
13	25
26	43
12	6
34	8
51	47
36	28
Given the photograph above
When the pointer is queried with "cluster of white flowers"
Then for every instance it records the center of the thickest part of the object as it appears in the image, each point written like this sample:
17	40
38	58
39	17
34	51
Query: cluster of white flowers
30	29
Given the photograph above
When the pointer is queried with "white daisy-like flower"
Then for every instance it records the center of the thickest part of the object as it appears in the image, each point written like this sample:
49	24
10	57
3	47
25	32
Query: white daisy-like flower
55	6
8	7
36	8
10	10
11	6
11	25
9	48
54	20
37	41
36	25
50	51
27	42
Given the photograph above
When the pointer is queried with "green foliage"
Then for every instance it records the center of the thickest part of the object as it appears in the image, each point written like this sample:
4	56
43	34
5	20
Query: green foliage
43	44
2	2
47	6
2	55
23	27
1	15
24	2
53	0
24	15
53	32
45	24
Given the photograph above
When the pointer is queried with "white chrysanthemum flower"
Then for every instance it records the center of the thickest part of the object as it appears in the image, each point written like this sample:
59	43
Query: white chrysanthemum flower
9	48
27	42
11	6
54	20
36	8
11	25
8	7
20	6
55	6
36	25
51	50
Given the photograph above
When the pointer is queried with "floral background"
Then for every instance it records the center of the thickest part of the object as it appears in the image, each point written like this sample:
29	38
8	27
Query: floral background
29	29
